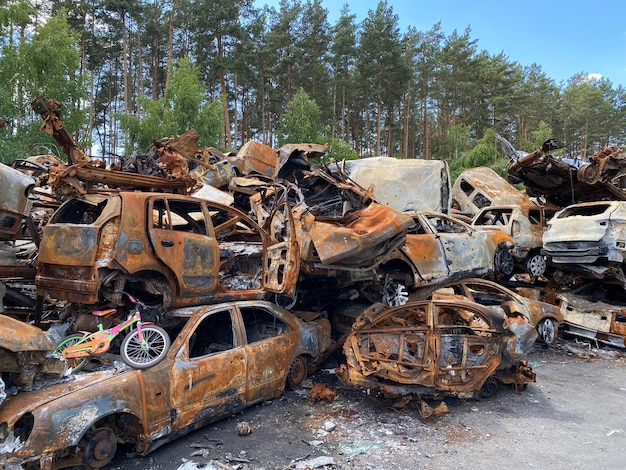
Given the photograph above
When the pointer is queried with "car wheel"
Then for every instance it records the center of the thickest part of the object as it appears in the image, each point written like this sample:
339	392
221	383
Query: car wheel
297	372
503	261
547	330
489	388
395	294
98	447
536	264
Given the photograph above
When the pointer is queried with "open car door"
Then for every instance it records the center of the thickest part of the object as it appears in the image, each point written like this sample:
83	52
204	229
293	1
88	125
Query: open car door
281	261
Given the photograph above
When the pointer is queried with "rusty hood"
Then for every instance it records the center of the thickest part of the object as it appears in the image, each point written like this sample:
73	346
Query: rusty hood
15	335
365	231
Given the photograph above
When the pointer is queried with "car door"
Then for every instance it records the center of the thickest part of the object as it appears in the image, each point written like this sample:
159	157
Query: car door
463	247
282	256
271	342
180	236
469	348
209	374
425	251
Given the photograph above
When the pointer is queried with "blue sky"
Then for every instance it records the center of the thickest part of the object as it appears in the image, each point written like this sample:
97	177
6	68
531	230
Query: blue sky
564	37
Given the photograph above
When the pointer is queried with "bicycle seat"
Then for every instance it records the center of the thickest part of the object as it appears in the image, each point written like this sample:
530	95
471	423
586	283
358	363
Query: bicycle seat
103	313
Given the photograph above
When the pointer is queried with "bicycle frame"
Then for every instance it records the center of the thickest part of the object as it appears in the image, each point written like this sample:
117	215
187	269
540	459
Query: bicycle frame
100	341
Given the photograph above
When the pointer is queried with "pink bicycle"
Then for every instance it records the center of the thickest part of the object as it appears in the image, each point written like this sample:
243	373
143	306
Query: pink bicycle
145	345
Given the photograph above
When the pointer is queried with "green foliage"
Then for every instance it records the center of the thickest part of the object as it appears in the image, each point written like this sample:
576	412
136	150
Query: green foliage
47	64
301	122
457	140
538	137
183	107
483	153
339	150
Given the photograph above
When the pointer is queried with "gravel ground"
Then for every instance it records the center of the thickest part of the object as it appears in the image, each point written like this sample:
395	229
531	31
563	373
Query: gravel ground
572	417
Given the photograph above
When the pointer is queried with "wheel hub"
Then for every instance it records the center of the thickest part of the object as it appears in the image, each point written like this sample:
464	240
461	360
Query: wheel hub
100	449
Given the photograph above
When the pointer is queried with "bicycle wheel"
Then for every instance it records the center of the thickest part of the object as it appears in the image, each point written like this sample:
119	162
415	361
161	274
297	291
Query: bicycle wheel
151	352
75	364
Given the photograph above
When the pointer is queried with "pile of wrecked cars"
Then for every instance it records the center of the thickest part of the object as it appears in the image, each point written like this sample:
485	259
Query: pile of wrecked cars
261	264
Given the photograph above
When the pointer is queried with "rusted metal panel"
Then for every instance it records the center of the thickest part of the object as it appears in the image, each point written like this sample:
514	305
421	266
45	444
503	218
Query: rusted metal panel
360	232
25	352
593	319
256	158
19	336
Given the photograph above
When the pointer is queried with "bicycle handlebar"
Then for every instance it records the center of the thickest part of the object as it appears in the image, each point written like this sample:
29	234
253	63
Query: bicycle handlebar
130	297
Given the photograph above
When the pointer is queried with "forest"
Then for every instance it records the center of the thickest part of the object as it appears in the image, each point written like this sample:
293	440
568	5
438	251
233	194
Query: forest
127	72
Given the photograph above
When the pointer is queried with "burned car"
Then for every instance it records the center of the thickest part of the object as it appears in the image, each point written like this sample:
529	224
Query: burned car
438	347
167	249
595	311
439	247
526	224
392	181
545	317
343	235
563	181
588	240
477	188
224	358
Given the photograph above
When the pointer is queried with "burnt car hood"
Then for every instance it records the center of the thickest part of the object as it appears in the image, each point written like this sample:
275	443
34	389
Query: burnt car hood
365	232
15	335
17	405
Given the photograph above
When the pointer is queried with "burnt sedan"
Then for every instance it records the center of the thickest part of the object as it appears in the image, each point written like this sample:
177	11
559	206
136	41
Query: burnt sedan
545	317
224	358
438	347
440	248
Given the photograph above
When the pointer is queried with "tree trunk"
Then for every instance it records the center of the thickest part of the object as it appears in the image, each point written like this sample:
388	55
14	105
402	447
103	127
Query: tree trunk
378	126
170	45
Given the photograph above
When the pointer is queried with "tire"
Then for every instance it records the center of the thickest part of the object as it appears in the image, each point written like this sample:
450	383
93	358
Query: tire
503	262
490	388
74	364
547	330
536	264
297	373
155	347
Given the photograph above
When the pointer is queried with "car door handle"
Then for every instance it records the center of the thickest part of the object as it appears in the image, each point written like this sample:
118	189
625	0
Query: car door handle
167	243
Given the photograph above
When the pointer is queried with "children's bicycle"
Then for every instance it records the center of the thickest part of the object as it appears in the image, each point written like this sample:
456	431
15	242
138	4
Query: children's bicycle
143	347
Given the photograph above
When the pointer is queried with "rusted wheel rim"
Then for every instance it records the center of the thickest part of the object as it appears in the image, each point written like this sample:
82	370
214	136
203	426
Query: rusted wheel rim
297	372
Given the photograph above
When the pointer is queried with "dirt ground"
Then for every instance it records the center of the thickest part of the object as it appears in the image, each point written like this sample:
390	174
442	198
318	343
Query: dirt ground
572	417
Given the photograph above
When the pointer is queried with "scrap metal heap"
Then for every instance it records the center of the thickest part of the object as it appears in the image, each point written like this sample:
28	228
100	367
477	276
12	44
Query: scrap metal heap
563	181
180	219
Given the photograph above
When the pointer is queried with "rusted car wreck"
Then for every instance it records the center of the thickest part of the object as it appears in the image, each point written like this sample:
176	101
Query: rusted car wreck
438	347
224	358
